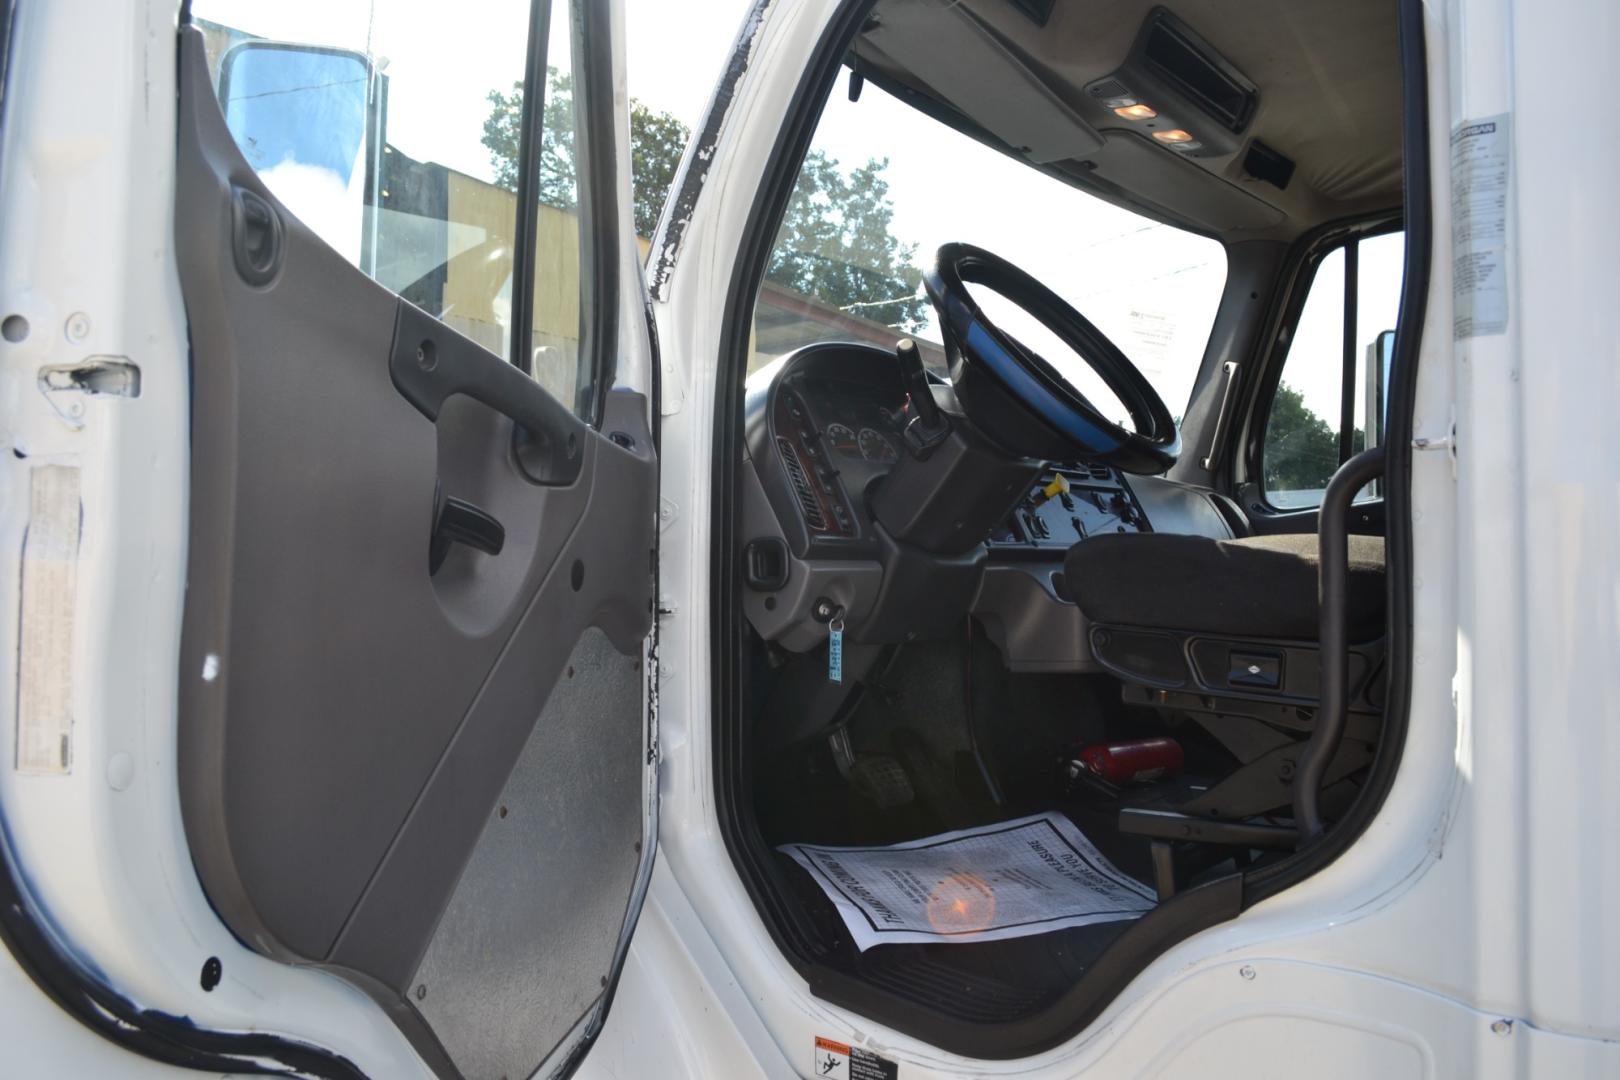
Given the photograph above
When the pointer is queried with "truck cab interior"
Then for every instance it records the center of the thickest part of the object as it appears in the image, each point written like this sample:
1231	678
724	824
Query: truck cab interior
1092	471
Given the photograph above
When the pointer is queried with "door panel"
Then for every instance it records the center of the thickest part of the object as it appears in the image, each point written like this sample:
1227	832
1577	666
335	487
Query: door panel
349	719
497	996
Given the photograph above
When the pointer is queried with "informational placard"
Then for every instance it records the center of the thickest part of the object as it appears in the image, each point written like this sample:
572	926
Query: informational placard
50	580
1480	174
1011	879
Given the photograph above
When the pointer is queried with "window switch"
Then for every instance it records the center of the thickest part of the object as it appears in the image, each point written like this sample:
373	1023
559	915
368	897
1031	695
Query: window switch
1262	671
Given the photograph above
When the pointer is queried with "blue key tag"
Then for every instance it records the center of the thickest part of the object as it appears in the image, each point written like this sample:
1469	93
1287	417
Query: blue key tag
835	649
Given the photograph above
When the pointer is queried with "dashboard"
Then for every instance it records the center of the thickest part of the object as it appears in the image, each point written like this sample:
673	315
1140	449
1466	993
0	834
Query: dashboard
825	430
834	437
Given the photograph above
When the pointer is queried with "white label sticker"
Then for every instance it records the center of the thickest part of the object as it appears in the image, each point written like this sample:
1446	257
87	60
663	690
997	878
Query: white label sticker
1480	169
50	577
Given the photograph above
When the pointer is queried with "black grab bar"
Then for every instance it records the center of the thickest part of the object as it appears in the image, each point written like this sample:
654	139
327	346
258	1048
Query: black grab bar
1333	543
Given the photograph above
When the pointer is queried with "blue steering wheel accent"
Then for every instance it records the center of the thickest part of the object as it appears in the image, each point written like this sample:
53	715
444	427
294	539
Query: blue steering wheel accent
1060	414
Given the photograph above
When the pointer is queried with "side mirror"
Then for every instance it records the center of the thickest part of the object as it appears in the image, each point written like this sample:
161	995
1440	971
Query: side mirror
301	116
1375	386
1375	400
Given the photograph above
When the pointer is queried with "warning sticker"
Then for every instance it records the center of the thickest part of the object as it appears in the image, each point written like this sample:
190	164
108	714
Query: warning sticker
50	581
1479	196
1014	878
840	1061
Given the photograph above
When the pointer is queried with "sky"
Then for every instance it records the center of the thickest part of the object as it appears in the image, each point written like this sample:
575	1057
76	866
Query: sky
1151	288
676	49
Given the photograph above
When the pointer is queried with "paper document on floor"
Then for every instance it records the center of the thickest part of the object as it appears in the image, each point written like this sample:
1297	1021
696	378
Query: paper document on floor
1010	879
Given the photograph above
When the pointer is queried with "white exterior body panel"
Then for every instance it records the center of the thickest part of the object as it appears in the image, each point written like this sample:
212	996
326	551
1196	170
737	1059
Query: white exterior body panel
1484	892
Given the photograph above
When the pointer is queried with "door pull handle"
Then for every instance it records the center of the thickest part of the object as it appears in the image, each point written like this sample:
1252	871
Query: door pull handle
457	521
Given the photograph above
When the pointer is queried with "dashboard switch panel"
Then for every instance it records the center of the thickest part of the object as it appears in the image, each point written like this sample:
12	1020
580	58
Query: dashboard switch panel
1066	505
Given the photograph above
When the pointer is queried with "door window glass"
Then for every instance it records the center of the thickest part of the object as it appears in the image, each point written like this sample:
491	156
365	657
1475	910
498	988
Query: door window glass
1312	427
554	346
393	132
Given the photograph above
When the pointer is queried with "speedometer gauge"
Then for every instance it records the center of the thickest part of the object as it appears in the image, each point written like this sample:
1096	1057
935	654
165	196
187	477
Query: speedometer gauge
841	437
876	447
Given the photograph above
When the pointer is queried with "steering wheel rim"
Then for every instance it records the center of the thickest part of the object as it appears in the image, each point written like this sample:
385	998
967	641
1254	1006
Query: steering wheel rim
1017	396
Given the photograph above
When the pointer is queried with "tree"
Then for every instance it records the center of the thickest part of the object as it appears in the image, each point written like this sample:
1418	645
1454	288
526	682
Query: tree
834	244
1302	450
501	130
656	142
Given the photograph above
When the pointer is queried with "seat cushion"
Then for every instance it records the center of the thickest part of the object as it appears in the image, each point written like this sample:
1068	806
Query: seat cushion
1259	586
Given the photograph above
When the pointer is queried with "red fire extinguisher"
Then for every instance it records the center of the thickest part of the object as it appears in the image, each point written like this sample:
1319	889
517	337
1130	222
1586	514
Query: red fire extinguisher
1136	761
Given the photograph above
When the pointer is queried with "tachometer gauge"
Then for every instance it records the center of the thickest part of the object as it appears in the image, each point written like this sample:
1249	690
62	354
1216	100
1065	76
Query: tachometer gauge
876	447
841	437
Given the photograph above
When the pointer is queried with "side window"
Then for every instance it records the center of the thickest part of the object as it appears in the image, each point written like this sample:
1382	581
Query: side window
1329	402
394	134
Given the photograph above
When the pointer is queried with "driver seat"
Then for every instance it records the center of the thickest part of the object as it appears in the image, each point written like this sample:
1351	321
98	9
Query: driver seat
1254	587
1226	633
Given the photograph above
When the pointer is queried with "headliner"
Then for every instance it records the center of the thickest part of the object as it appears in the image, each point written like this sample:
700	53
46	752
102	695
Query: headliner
1328	73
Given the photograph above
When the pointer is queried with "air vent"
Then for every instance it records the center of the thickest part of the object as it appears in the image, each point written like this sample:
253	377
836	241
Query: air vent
801	486
1264	163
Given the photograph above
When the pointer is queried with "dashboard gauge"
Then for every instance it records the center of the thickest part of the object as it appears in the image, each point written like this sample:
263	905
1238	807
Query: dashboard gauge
841	437
876	447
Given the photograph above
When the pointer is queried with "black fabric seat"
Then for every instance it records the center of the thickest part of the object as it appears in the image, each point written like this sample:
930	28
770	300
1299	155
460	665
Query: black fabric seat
1259	586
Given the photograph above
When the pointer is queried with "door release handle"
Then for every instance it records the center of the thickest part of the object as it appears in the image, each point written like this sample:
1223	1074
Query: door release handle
256	234
457	521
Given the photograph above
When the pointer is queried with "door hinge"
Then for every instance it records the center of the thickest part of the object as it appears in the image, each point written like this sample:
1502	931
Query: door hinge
66	385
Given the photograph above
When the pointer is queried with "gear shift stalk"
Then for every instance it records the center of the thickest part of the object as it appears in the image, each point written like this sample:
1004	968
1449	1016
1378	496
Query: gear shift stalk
928	424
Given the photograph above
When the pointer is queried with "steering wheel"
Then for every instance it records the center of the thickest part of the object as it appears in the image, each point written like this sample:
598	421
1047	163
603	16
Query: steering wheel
1019	399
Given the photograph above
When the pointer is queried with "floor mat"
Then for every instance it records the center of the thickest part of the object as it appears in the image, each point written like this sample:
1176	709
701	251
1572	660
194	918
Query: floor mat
1011	879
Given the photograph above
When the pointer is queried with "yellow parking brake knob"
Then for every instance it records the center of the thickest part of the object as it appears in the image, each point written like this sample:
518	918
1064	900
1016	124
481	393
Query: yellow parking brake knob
1058	486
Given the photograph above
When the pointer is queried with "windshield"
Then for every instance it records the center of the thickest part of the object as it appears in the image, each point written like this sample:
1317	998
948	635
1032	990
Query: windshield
884	185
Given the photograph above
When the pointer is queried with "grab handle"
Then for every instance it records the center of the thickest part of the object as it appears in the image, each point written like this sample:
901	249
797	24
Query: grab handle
1333	583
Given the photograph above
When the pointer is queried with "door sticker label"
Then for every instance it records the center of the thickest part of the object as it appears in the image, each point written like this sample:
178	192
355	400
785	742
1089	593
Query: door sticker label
50	580
1479	195
840	1061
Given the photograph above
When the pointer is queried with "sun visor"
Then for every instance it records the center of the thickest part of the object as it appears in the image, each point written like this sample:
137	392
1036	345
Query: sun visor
964	66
